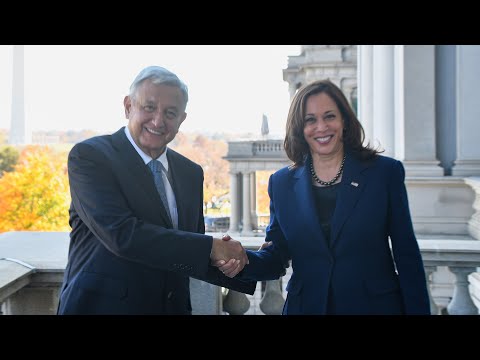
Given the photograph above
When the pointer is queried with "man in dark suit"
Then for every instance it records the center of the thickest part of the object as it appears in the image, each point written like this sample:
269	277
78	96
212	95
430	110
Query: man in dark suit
137	213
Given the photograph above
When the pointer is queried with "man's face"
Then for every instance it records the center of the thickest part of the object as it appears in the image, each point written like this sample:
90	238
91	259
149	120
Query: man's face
155	114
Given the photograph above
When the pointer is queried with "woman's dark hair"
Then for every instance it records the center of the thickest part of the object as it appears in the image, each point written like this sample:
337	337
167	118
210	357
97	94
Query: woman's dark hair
295	144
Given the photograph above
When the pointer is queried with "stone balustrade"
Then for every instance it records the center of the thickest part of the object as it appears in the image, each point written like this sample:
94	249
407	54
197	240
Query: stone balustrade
256	149
32	266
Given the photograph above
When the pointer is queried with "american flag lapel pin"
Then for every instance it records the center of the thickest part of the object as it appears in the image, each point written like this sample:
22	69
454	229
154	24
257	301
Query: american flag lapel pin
353	183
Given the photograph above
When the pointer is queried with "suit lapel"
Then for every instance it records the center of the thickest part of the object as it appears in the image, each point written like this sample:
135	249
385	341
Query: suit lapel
177	183
141	174
352	185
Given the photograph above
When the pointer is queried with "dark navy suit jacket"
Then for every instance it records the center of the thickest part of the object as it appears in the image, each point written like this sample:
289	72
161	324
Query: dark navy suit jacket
359	273
124	256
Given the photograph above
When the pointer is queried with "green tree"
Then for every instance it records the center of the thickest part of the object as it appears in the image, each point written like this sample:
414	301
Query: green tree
8	158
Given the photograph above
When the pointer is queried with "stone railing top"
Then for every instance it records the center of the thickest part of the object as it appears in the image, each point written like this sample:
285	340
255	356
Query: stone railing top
473	181
254	149
248	242
11	271
442	252
46	251
49	250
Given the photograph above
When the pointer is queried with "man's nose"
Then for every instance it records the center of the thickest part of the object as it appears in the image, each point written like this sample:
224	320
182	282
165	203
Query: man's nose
158	119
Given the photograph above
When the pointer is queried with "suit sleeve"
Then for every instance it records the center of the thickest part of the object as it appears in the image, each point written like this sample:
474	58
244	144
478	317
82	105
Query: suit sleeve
406	252
270	263
98	198
214	275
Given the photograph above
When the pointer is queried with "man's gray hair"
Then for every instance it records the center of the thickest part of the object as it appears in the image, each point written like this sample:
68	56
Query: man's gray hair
159	75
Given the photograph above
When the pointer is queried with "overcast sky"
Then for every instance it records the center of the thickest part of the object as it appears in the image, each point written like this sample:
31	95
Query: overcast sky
82	87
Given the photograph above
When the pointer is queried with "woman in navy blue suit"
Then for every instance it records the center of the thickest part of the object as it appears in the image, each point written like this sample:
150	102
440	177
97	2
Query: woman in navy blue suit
340	215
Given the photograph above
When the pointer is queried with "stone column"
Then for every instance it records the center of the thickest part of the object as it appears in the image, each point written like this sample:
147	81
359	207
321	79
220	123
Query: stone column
292	89
467	161
383	98
415	109
246	211
234	202
445	103
365	90
253	200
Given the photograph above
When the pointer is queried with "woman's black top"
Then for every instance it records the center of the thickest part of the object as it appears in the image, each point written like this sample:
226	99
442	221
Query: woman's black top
325	201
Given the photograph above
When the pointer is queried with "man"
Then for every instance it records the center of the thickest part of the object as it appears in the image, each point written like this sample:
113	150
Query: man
137	213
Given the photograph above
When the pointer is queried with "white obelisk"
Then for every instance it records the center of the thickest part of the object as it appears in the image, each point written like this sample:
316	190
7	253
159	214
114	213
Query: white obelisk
18	132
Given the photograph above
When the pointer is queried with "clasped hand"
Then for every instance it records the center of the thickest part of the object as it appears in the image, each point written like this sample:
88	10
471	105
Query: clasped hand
228	255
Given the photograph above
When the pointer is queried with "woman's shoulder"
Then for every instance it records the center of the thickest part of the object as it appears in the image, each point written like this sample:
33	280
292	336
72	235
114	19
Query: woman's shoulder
388	165
383	160
286	171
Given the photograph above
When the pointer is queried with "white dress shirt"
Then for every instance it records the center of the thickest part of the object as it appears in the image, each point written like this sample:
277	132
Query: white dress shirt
172	203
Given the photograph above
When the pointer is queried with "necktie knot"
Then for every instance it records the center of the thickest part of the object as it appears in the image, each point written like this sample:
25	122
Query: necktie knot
155	166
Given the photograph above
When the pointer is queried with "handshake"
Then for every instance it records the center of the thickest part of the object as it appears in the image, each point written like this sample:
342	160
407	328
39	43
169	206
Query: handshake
229	256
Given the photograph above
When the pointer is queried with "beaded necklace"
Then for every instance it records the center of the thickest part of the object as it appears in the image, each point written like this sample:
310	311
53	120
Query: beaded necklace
331	182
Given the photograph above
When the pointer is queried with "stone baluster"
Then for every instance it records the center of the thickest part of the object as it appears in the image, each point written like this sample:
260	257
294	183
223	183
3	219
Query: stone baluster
429	270
272	301
474	280
461	303
236	303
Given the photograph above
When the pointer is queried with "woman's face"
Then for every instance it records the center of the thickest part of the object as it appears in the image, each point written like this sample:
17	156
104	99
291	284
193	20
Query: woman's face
323	126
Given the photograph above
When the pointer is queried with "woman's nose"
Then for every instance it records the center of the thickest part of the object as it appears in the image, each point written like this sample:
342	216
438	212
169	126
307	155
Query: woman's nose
321	125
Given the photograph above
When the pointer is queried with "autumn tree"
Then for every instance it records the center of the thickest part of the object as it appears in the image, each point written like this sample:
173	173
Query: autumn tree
263	200
35	196
8	158
207	153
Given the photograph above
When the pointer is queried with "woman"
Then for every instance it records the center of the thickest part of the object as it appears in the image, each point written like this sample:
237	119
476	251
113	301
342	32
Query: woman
332	213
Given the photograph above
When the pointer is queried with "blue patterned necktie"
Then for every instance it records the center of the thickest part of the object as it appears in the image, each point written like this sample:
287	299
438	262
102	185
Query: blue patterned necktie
156	167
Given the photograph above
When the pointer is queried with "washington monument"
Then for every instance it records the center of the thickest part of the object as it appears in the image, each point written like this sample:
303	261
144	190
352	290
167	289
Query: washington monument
18	134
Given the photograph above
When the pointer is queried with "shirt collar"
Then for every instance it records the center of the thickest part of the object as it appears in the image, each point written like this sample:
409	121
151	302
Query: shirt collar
146	158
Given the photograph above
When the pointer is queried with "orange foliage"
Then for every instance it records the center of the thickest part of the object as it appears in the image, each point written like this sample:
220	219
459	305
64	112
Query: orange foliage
263	200
35	196
208	154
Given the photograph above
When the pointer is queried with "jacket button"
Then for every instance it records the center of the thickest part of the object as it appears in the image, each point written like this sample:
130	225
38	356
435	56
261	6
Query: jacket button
170	293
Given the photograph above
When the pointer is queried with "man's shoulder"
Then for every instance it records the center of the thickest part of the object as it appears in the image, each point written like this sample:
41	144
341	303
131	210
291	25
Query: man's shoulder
102	141
98	140
97	144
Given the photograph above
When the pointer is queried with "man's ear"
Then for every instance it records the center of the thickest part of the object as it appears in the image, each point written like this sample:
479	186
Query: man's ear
127	104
